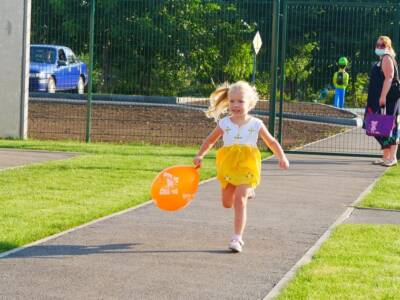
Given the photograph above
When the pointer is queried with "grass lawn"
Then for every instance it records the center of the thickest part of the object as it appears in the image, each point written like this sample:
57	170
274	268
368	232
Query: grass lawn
386	193
43	199
356	262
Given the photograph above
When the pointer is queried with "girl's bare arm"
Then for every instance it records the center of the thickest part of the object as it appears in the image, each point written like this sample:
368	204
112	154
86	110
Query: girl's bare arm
276	148
208	143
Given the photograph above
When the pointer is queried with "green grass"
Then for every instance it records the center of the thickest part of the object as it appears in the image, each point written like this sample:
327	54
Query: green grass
356	262
43	199
386	193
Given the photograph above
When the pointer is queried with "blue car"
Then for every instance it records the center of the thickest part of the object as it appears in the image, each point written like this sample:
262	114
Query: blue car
56	68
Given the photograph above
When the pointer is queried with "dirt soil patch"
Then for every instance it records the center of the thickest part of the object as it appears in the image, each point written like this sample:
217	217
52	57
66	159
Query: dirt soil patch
301	108
153	124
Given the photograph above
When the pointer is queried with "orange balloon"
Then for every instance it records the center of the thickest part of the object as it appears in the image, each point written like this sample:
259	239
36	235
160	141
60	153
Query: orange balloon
175	187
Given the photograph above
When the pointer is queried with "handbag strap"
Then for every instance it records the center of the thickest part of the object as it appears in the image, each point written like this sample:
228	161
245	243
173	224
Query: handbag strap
396	108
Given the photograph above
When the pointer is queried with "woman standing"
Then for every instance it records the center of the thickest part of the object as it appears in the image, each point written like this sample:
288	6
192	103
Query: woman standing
380	96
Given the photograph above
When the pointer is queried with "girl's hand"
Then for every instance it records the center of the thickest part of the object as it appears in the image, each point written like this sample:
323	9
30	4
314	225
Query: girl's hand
284	163
382	102
197	161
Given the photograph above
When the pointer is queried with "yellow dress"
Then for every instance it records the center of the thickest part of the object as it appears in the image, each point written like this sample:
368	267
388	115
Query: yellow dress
239	160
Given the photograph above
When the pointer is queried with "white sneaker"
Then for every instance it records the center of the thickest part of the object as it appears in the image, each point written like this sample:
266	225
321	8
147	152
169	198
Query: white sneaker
236	245
378	161
389	163
252	194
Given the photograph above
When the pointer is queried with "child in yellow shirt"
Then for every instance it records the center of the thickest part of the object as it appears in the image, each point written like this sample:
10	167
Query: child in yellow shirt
239	160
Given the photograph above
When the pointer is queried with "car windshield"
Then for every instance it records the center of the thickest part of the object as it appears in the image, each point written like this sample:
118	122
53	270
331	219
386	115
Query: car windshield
43	55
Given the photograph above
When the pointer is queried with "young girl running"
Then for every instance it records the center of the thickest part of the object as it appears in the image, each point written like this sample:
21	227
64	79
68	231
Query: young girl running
239	160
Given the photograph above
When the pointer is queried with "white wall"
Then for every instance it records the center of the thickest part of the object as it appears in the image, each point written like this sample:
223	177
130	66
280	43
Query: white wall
14	63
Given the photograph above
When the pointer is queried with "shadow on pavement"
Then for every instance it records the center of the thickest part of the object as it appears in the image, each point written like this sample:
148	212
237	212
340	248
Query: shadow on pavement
77	250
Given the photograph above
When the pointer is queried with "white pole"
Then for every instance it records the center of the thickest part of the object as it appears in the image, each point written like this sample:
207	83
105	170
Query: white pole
23	134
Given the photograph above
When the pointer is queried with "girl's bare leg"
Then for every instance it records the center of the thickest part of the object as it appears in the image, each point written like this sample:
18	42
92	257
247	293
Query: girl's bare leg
228	195
240	201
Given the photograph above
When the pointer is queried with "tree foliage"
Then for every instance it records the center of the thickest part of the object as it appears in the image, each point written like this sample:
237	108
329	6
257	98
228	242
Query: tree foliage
187	47
299	67
167	47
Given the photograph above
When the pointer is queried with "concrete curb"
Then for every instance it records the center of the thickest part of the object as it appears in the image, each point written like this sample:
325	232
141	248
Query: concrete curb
375	208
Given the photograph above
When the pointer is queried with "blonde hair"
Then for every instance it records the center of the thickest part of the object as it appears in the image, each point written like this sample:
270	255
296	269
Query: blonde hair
219	99
388	43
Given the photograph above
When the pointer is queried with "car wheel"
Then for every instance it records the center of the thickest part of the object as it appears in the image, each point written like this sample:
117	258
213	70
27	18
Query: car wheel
80	87
51	86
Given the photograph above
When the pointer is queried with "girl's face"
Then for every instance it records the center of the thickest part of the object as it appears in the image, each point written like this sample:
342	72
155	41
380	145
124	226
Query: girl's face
237	105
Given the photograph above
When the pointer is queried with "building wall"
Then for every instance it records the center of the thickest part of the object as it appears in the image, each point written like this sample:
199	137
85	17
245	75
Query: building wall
14	66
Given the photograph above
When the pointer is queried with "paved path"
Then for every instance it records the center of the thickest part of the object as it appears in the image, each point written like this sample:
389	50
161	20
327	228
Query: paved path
374	216
352	141
150	254
10	158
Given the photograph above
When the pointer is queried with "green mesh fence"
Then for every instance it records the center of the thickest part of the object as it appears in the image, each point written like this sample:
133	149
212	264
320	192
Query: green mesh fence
318	34
56	110
156	62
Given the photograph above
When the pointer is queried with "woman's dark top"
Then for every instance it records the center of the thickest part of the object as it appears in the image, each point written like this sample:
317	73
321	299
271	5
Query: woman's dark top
376	79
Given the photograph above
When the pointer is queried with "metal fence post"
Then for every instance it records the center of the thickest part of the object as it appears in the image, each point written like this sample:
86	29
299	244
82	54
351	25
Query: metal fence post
274	66
282	69
396	38
90	83
253	77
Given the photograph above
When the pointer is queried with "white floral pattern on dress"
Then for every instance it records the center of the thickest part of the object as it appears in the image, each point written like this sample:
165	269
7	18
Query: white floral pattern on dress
247	134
